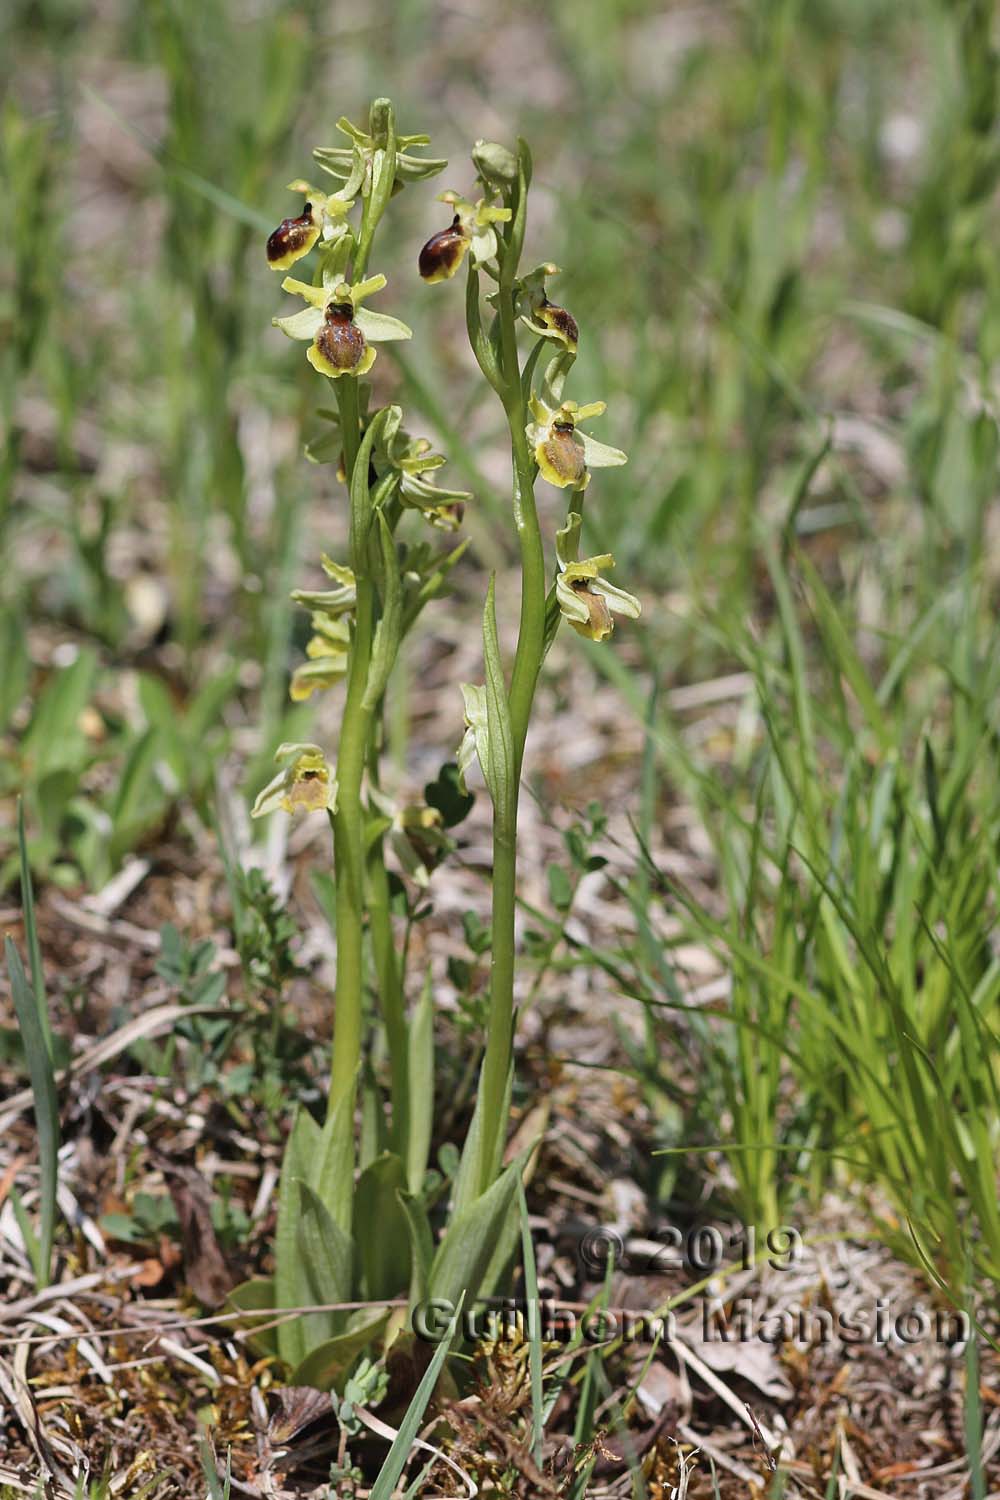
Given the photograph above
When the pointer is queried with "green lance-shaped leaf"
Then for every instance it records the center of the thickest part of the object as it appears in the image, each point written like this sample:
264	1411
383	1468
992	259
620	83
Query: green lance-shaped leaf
373	1138
54	740
389	630
499	767
421	1246
290	1287
325	1366
43	1088
362	508
331	1169
381	1231
420	1057
470	1168
257	1296
507	1237
327	1259
484	351
470	1241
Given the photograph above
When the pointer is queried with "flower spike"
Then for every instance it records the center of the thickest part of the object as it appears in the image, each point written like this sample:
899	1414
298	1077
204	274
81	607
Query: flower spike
586	599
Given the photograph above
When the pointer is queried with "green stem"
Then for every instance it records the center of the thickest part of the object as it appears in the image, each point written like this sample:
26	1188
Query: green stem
390	991
348	820
531	631
527	664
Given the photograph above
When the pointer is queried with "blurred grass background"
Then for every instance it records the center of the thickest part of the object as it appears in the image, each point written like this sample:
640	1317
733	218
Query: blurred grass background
778	223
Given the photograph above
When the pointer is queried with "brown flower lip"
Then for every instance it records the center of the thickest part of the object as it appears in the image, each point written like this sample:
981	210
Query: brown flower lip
442	255
291	235
340	340
597	608
564	454
558	319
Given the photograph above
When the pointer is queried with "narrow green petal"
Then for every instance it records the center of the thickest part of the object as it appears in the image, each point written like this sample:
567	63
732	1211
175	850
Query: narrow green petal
314	295
367	288
346	128
568	539
591	409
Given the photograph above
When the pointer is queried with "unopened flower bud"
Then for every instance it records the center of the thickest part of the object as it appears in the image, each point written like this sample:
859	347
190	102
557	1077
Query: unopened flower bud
378	120
495	164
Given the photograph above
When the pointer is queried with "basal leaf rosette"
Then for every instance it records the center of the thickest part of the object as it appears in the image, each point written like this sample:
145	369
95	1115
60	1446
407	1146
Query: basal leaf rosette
305	784
586	599
340	331
564	454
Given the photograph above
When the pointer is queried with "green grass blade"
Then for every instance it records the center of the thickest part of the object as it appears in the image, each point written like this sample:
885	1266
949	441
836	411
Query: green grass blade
395	1462
43	1087
973	1421
31	931
534	1326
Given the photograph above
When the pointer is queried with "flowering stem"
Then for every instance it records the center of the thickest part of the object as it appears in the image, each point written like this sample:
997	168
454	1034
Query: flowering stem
348	820
387	970
527	664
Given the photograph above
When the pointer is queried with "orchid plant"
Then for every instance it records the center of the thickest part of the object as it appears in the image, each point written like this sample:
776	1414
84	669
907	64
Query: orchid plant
355	1214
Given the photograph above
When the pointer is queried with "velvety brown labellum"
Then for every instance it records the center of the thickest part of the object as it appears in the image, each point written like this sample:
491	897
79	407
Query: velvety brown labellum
601	622
340	340
560	321
443	252
564	454
309	791
291	235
